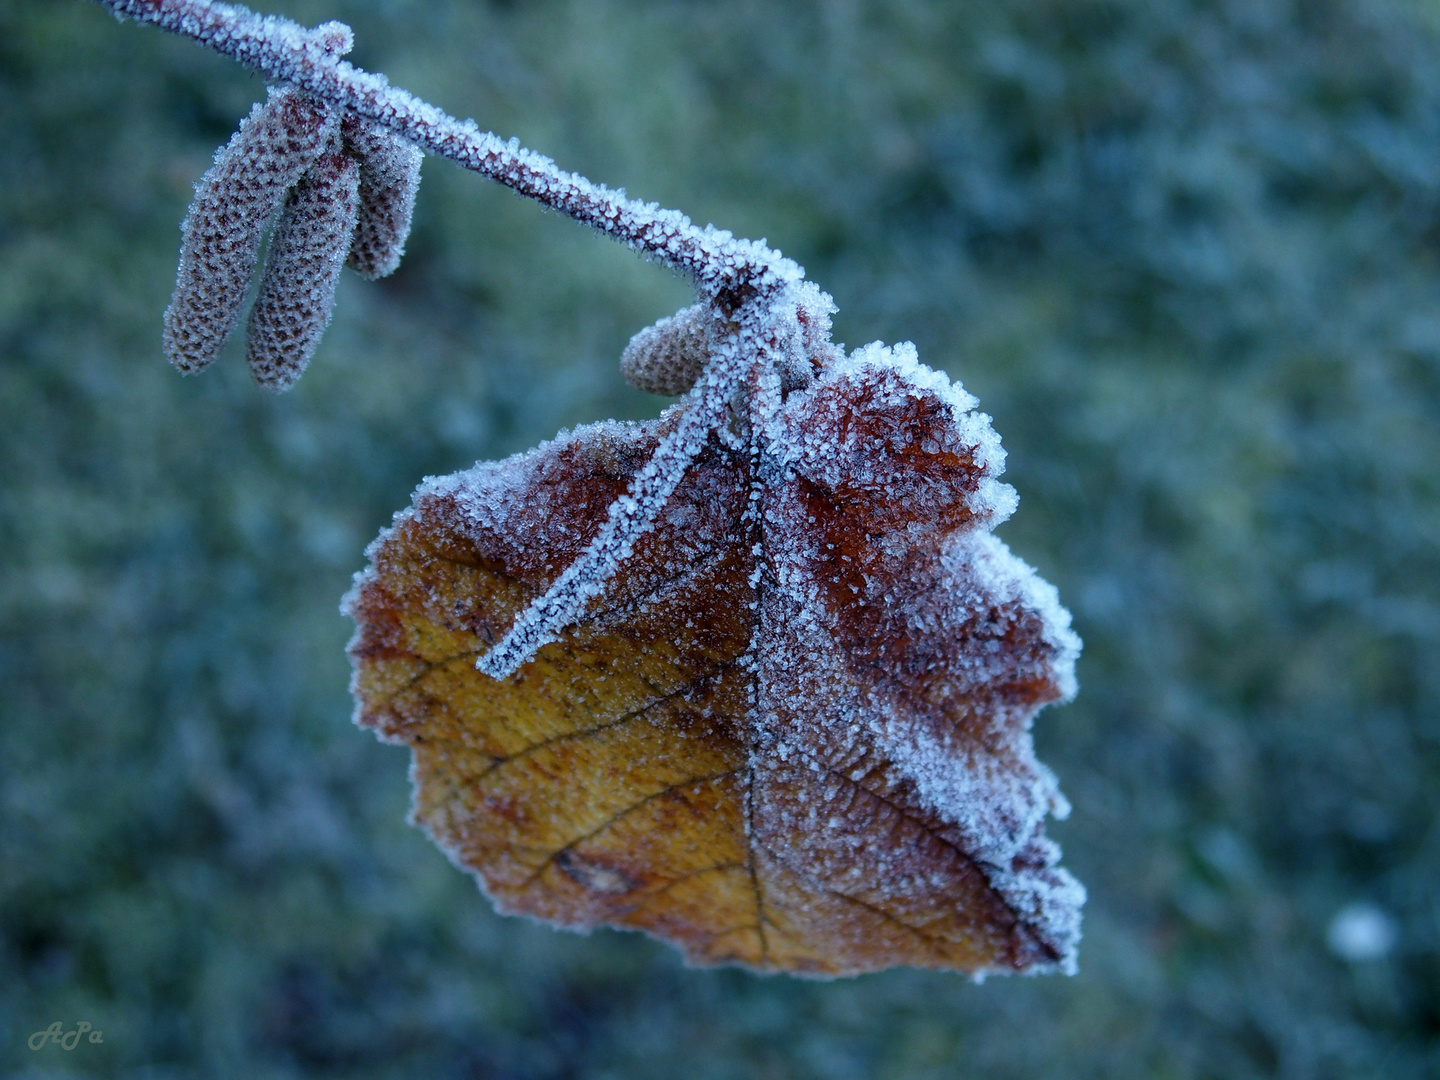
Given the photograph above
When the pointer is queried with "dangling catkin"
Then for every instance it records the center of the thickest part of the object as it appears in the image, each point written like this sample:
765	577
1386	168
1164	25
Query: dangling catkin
307	252
389	178
233	201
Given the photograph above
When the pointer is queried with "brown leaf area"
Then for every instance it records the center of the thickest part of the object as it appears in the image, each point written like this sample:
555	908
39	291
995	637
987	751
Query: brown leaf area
793	730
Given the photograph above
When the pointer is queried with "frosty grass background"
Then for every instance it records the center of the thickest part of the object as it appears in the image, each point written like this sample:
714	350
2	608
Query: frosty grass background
1184	253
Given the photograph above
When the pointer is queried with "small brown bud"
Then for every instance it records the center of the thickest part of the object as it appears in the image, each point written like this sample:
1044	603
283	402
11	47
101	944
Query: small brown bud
669	356
233	201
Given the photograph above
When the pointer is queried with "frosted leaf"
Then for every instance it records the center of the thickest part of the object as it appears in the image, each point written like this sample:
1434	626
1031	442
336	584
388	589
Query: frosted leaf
389	180
307	252
233	202
789	727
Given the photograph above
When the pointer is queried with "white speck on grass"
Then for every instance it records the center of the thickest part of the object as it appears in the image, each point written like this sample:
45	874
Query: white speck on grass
1361	932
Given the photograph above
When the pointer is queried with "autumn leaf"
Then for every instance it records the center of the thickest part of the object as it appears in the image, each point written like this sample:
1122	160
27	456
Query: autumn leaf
793	732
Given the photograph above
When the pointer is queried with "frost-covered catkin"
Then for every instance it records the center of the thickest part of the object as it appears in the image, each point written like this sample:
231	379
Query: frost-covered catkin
233	201
389	178
307	252
667	358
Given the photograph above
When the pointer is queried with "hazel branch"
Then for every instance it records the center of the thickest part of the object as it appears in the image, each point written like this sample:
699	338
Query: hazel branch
337	144
732	270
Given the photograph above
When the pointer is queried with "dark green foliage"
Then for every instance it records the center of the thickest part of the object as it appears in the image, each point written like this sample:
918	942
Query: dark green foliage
1184	253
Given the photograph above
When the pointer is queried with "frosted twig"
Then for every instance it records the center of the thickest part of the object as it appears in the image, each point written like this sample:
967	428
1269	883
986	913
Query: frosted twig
756	311
721	265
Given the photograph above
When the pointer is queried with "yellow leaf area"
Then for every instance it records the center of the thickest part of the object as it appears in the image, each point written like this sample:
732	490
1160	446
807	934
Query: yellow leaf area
700	758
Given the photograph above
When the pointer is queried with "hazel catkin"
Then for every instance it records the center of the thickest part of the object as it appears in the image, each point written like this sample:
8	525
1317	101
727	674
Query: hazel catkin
234	200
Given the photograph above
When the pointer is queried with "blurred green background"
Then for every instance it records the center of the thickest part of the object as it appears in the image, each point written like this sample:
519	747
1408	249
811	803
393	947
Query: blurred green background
1184	252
